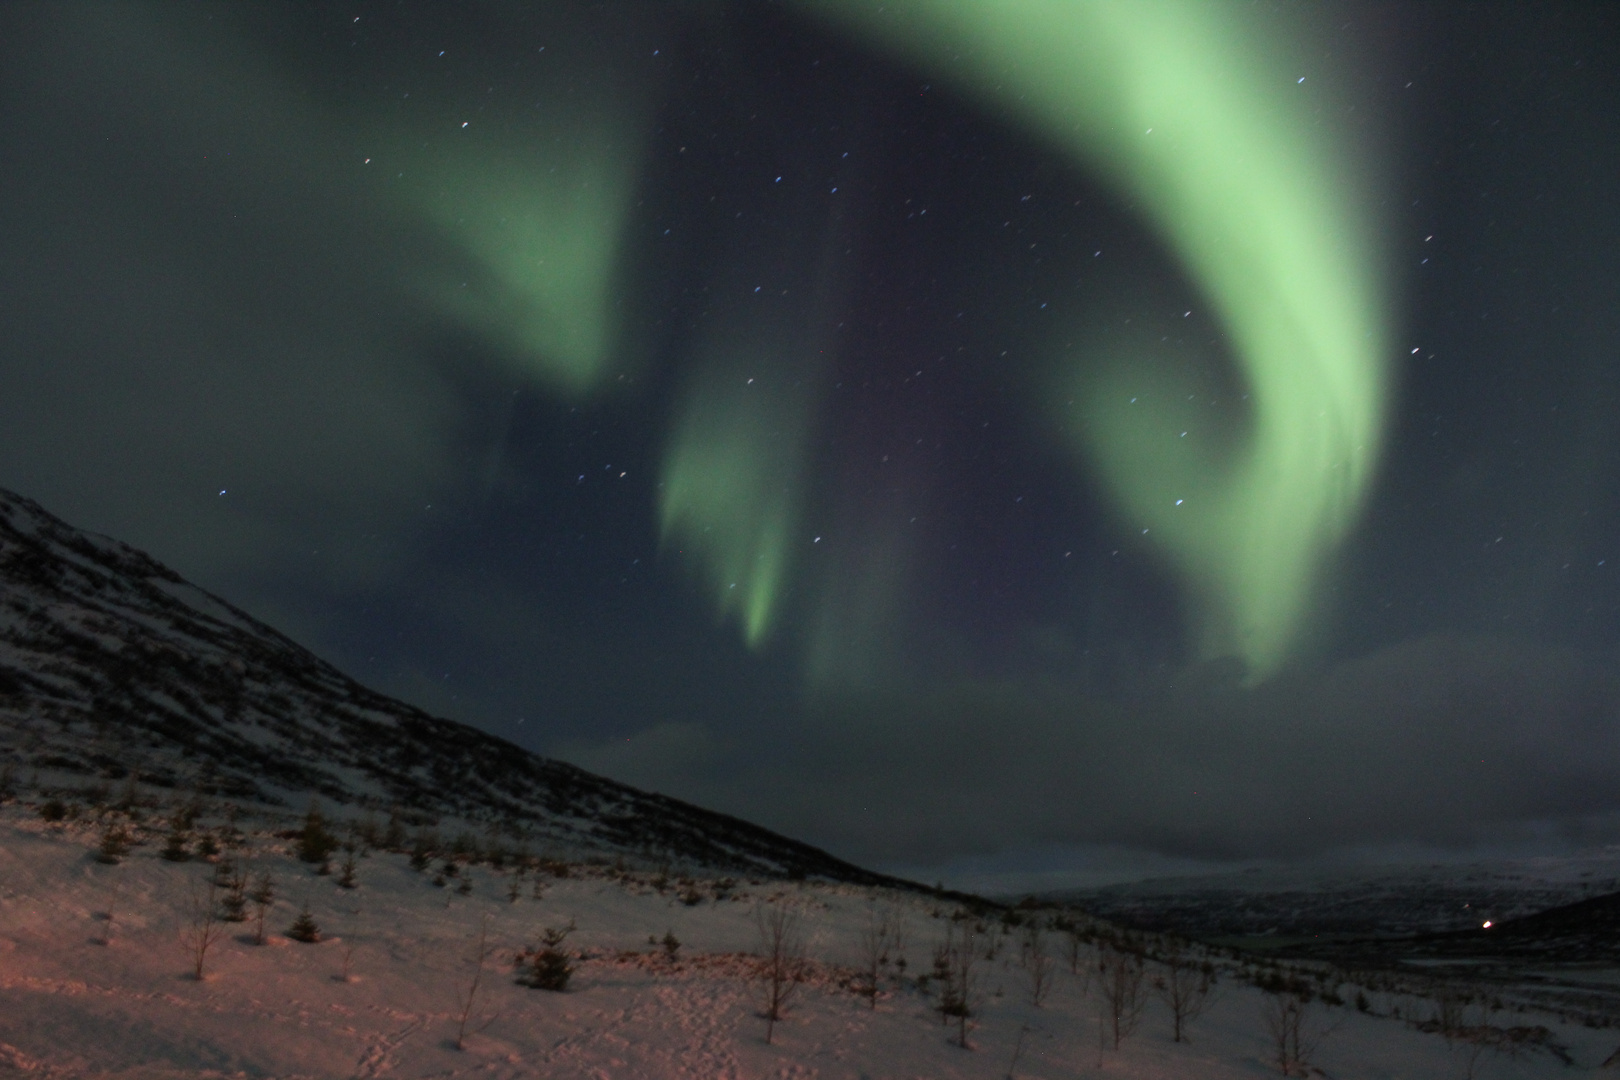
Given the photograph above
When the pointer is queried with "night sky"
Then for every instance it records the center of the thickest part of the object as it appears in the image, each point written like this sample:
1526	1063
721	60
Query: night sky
849	421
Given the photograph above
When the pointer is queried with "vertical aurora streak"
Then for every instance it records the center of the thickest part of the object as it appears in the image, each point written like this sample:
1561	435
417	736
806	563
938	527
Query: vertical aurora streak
732	480
739	461
1188	117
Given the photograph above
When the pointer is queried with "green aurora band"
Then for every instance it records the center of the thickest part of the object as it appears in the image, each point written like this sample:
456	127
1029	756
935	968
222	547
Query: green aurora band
1182	108
545	228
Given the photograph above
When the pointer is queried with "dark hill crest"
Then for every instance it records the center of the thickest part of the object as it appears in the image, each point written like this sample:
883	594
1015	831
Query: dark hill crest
110	663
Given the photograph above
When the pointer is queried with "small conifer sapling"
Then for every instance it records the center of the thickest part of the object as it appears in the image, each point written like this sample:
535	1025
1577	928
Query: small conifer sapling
550	968
305	928
114	843
174	846
315	843
230	878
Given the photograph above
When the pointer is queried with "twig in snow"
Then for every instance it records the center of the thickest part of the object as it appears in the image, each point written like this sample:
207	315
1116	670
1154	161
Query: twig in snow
481	953
1018	1050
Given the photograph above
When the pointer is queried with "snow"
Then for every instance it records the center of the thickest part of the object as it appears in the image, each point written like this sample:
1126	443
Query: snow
95	981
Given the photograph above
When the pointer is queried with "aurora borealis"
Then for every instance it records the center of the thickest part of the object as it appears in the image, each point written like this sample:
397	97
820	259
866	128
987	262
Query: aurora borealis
544	231
941	430
1171	103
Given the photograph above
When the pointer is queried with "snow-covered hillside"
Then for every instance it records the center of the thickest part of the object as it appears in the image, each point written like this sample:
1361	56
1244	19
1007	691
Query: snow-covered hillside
97	964
111	664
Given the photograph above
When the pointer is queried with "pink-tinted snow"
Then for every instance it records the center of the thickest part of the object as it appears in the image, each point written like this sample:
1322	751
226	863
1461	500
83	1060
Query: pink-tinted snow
95	981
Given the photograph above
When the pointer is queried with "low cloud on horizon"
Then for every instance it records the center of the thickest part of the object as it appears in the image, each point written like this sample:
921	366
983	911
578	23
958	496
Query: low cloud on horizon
1449	743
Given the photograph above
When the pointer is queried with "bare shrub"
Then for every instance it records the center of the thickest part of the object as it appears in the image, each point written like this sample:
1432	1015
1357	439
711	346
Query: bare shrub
880	938
782	955
1287	1015
1037	964
347	975
1450	1006
1464	1020
1074	951
203	926
956	969
1119	977
1186	987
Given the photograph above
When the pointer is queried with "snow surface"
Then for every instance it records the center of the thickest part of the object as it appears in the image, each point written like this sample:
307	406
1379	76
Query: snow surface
96	981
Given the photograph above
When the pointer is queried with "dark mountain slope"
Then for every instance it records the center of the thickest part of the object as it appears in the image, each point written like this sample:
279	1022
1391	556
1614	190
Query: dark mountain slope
110	662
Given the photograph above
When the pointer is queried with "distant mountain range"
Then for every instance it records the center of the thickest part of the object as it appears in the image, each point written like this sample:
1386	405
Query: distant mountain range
1396	900
1553	936
111	664
1586	932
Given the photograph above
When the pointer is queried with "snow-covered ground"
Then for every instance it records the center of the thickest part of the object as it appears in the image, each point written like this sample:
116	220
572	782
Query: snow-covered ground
96	980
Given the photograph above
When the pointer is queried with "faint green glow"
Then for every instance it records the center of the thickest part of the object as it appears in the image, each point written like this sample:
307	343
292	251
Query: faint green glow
857	603
731	480
541	231
1185	112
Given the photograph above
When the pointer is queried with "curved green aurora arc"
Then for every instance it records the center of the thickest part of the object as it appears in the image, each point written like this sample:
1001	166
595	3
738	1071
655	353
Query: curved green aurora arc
1180	105
1183	110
